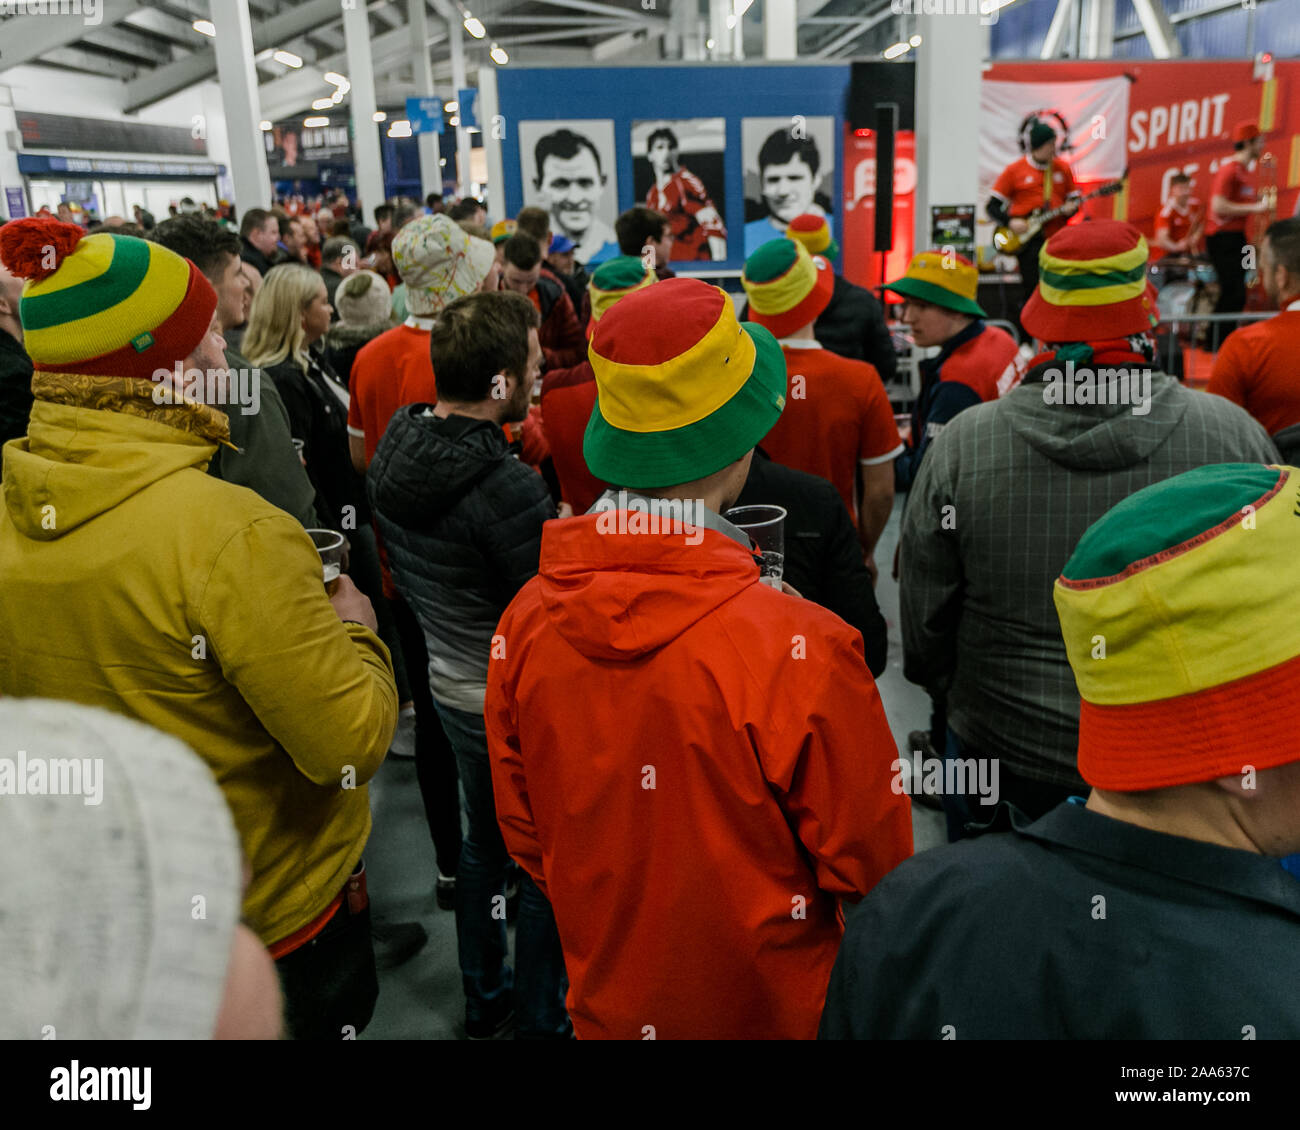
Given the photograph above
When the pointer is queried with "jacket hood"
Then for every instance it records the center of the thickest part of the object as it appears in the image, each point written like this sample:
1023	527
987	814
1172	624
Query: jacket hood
78	463
619	596
1096	437
426	464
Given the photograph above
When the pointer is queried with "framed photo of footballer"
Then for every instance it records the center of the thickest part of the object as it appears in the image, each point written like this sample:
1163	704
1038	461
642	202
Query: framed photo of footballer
569	169
789	170
678	168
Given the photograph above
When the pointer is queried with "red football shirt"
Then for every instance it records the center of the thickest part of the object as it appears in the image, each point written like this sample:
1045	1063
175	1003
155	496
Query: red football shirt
837	416
392	370
1256	368
1176	223
1235	183
1025	188
691	213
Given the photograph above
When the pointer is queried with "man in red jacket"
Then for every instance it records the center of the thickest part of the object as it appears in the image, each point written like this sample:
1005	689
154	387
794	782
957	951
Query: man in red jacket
726	778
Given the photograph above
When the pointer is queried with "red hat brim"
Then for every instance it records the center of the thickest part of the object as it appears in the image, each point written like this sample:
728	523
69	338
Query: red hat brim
809	310
1054	324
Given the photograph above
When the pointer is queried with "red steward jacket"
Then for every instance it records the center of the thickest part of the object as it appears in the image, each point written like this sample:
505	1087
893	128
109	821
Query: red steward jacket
720	777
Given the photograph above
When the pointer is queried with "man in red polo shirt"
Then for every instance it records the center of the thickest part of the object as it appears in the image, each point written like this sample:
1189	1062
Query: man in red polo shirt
838	422
1256	367
1038	180
1232	203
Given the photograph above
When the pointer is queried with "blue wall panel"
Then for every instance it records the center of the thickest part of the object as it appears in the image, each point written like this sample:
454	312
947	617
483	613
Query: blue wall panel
629	94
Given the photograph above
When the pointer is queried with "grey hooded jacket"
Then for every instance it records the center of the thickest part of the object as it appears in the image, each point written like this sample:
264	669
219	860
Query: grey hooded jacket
1000	502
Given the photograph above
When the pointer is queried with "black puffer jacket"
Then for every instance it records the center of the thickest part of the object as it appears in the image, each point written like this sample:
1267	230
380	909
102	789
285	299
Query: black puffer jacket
462	520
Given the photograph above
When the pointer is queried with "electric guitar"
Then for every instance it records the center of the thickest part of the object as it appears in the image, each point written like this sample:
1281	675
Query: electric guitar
1008	242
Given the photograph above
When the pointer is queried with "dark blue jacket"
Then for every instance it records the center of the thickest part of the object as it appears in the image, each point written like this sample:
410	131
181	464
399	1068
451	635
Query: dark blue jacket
1076	926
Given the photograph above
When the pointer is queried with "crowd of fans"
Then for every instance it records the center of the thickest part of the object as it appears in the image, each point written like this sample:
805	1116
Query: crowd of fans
673	774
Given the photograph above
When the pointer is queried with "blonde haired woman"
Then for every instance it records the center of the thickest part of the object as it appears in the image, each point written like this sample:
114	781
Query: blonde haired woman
289	316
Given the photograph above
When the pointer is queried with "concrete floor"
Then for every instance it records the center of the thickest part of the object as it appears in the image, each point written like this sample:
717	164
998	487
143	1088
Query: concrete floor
423	1000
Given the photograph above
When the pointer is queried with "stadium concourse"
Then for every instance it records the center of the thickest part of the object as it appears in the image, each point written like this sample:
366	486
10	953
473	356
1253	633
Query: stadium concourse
603	521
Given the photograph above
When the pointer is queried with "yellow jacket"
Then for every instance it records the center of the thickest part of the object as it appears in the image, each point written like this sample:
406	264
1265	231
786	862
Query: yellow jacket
132	580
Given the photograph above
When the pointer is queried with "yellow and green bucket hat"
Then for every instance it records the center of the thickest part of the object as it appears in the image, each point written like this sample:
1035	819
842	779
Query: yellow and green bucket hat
1181	619
942	279
683	387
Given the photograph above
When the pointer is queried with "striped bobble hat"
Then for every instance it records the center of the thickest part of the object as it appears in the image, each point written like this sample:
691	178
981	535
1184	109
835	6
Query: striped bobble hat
1181	620
683	389
814	232
104	304
614	279
787	287
1092	285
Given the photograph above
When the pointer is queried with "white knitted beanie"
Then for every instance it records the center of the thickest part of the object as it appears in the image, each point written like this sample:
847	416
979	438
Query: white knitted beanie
118	916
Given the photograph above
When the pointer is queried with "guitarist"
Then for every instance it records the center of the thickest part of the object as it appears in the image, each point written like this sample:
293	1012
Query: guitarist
1038	180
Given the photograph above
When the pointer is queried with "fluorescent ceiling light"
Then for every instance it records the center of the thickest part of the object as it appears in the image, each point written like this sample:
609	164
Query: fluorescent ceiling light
915	41
499	55
897	49
288	58
264	125
334	78
204	27
315	123
451	107
322	103
474	26
378	116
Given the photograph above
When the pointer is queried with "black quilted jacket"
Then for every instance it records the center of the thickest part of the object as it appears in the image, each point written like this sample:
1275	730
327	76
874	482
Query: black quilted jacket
462	520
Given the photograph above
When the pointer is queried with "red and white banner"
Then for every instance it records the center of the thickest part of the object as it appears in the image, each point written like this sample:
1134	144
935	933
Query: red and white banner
1089	118
1180	119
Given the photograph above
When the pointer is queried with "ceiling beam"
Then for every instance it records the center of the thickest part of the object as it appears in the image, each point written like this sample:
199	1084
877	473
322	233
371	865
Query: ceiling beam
125	41
91	62
162	23
607	10
202	65
27	38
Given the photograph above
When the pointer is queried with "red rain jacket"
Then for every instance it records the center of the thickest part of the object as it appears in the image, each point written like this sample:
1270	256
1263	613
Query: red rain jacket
693	767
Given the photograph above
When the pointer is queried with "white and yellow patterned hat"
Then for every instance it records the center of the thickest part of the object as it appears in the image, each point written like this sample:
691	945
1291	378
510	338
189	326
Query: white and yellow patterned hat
439	262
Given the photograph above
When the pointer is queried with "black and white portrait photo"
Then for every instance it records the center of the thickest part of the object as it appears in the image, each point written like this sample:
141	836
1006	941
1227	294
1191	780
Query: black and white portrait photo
568	169
789	170
678	169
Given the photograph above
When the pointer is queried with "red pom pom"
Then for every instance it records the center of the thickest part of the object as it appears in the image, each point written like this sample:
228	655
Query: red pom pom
35	247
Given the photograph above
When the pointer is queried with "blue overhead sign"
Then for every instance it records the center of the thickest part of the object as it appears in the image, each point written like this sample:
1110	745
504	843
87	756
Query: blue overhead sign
424	114
466	110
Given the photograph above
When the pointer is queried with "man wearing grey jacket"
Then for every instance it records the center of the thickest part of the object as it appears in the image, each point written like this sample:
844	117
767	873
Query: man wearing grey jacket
1003	497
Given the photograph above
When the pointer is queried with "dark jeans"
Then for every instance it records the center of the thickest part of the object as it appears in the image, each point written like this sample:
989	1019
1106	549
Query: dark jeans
435	762
330	984
1027	257
1034	798
1225	249
539	983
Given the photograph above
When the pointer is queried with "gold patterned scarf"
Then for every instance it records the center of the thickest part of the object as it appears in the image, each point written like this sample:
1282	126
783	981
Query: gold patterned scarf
134	396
